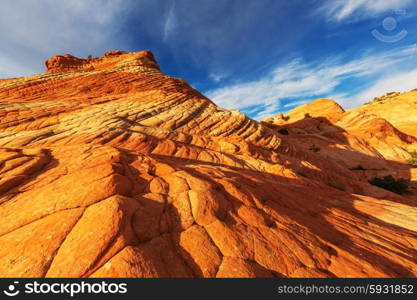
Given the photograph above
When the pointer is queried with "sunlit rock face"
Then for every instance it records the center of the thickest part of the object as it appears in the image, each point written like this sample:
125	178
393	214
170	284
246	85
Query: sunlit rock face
111	168
398	108
364	129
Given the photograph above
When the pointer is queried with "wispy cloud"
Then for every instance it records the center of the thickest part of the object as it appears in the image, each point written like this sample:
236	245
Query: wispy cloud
170	23
217	77
268	111
399	82
341	10
299	79
296	103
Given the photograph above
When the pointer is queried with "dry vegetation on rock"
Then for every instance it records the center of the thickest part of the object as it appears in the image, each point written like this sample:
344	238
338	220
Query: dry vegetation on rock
111	168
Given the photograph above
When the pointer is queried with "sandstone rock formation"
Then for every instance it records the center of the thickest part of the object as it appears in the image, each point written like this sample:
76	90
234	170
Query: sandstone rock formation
397	108
110	168
326	117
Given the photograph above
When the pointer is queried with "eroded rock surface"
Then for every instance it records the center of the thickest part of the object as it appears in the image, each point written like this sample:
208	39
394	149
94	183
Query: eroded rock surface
110	168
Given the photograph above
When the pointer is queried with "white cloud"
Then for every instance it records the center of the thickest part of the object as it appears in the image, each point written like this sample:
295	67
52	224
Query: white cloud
339	10
298	79
296	103
217	77
268	111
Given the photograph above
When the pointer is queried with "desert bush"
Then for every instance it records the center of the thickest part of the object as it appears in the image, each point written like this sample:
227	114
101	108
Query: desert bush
399	186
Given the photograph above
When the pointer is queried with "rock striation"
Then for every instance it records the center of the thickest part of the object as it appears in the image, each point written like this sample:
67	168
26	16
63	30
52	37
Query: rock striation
397	108
111	168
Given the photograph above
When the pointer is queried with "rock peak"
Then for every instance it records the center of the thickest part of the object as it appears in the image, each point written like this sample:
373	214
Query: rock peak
112	60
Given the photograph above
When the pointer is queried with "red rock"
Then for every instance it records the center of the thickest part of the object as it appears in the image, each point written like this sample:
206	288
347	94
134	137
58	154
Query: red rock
111	168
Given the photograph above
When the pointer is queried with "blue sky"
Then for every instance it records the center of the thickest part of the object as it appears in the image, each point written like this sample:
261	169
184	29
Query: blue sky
259	56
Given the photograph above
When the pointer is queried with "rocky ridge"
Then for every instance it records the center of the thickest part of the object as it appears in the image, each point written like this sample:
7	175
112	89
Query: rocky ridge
397	108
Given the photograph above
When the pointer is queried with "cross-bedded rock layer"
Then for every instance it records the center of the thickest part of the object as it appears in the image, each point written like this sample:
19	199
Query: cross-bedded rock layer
110	168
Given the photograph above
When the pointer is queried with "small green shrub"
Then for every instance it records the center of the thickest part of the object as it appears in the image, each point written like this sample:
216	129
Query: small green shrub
89	56
413	160
399	186
314	148
283	131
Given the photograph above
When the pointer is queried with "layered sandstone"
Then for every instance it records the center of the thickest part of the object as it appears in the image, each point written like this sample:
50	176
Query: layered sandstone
112	60
374	133
397	108
111	168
